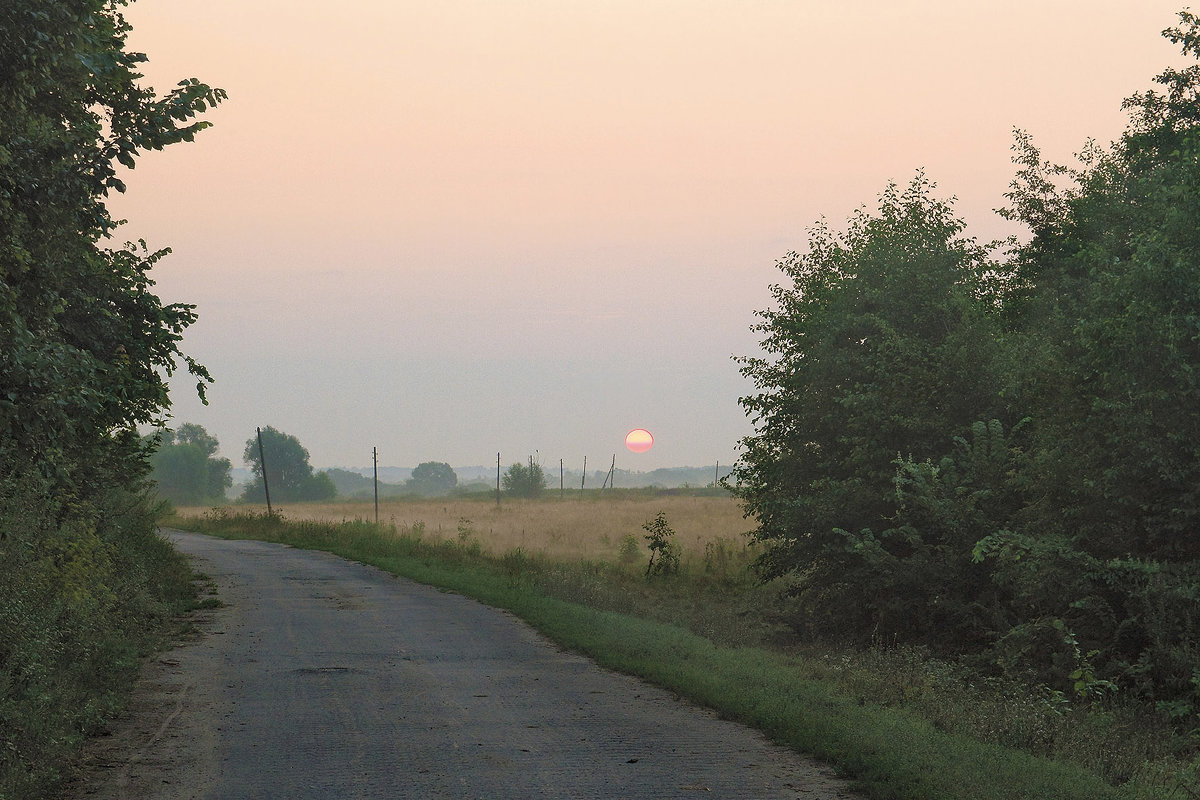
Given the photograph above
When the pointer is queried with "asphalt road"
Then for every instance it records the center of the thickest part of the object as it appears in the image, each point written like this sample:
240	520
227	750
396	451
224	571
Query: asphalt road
322	678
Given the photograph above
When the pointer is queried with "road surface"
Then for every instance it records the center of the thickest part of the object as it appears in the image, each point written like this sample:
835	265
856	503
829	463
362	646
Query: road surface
322	678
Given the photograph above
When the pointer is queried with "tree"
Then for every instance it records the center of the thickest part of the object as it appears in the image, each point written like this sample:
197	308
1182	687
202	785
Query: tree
289	475
1110	315
186	469
1106	549
525	480
432	478
349	483
884	344
1002	459
85	345
190	433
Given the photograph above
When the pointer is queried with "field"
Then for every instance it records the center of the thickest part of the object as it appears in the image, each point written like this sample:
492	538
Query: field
572	528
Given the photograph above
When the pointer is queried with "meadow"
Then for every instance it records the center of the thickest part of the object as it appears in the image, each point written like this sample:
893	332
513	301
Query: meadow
592	526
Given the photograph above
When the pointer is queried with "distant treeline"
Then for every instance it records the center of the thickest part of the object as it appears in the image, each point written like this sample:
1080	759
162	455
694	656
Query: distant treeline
357	481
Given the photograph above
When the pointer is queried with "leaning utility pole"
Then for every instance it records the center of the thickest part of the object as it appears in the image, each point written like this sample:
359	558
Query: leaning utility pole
262	462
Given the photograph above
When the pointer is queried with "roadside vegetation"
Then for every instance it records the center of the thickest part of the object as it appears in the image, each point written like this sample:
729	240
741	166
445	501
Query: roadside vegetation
992	452
86	593
904	722
86	584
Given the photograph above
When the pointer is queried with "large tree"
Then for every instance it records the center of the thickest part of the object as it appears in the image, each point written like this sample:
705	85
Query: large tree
882	345
1105	548
289	476
432	478
85	344
1111	315
186	468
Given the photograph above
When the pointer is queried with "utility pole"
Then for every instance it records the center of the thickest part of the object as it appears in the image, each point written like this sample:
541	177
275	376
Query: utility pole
375	461
497	480
262	462
583	478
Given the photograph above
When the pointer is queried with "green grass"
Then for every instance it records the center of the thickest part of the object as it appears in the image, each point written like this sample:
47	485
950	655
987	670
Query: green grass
899	724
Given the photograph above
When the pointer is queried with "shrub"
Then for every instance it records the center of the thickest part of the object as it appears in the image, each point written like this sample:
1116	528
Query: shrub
664	550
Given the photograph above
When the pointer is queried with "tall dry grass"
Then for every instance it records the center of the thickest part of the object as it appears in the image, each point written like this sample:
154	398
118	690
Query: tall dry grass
568	528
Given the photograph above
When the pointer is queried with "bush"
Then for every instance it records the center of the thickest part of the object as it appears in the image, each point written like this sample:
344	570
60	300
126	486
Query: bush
85	591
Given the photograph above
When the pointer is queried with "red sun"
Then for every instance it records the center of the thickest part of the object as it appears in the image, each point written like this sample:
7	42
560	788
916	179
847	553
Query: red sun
639	440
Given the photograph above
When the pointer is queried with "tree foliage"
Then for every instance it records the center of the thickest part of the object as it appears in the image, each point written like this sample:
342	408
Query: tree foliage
524	480
875	327
432	478
85	344
1001	457
186	469
290	478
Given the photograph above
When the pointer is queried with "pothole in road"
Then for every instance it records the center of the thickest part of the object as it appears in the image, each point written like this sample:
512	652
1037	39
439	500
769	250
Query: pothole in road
328	671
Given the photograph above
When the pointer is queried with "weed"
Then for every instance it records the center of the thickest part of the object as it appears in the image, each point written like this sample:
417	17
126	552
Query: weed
664	552
517	566
466	532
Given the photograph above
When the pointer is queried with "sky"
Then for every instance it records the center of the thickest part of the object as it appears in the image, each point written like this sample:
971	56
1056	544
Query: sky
451	229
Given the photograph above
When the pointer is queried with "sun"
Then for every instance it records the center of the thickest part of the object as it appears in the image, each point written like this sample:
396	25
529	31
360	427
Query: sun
639	440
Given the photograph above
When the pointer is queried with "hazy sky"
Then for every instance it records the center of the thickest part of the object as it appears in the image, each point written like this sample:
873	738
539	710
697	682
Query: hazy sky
450	228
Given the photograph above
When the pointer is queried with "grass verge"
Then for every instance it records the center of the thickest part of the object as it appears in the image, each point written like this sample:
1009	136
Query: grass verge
890	749
86	592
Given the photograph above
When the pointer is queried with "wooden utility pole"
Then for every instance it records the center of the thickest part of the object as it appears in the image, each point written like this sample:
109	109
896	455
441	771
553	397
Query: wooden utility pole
375	461
561	479
262	462
497	480
612	473
583	479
